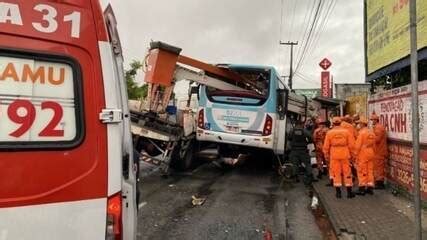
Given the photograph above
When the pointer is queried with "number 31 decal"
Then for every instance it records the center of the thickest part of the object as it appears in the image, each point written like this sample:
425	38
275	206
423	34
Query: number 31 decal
26	121
51	24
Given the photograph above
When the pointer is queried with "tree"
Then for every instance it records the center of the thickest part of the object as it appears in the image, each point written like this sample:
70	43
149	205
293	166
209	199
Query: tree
134	91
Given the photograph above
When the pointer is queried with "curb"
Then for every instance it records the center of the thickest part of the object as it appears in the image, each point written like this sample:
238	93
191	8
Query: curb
338	232
341	233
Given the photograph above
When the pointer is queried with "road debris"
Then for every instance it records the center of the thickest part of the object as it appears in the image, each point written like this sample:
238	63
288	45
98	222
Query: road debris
314	203
197	201
141	205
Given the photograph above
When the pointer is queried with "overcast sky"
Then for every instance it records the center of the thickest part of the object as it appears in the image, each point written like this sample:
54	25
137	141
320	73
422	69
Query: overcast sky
247	32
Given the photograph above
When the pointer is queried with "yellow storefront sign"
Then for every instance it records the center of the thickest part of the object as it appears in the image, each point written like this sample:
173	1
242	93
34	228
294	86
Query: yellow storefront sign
387	31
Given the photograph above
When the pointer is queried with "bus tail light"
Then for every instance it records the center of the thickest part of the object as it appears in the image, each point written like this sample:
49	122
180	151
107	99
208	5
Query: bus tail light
201	119
268	126
114	217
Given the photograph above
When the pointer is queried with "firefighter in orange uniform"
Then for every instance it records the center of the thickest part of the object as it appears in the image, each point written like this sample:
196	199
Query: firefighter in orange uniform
318	138
381	151
338	148
347	123
356	119
364	151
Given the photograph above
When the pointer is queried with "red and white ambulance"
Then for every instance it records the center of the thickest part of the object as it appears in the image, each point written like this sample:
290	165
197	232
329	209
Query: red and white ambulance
66	165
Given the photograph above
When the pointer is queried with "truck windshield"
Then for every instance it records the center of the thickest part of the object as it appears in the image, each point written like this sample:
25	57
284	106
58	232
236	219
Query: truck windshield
260	78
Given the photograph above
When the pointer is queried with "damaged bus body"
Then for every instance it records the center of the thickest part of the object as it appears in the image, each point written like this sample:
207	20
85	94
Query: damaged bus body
252	120
239	108
164	135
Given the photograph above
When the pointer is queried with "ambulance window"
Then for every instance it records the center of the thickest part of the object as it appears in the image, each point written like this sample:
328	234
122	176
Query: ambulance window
39	101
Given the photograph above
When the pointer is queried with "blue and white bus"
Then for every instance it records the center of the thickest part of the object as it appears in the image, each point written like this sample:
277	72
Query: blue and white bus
257	118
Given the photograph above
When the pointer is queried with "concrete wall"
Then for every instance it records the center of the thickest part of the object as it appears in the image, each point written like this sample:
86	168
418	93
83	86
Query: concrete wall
343	91
356	97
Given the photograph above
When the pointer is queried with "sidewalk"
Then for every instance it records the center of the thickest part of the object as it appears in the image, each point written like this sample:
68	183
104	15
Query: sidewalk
381	216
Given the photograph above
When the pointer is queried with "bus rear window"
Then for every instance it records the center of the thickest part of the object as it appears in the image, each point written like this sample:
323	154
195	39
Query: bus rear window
260	78
39	101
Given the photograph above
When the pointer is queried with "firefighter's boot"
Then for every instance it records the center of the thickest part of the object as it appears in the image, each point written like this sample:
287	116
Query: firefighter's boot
338	192
370	191
361	191
350	193
379	185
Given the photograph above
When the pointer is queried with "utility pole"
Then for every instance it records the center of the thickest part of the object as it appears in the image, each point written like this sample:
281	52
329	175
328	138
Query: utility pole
415	117
291	74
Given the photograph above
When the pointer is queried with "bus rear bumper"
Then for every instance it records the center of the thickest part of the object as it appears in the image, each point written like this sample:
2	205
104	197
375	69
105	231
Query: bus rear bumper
265	142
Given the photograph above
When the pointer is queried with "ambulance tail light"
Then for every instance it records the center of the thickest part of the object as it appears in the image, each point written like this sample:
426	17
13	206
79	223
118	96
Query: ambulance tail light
114	217
201	119
268	126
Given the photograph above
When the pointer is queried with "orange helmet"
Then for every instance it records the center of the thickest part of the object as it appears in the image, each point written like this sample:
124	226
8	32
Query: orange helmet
375	117
356	117
346	118
320	121
363	120
336	120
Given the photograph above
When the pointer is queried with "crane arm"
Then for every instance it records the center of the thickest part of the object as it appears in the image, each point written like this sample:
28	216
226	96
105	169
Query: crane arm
199	77
164	62
164	66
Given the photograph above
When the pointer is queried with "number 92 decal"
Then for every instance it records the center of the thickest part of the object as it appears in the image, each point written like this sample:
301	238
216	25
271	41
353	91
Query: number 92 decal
27	118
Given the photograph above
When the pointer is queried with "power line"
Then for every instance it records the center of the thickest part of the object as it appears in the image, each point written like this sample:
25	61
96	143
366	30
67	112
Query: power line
311	20
304	20
291	71
293	20
310	34
280	31
307	24
306	78
281	19
322	21
311	39
320	28
286	17
323	24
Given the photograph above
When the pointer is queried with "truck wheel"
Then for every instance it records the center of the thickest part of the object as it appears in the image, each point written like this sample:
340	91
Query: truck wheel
184	161
188	160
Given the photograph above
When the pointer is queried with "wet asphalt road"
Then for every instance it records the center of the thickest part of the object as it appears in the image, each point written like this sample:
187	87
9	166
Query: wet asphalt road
240	204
